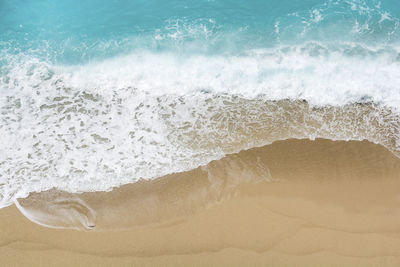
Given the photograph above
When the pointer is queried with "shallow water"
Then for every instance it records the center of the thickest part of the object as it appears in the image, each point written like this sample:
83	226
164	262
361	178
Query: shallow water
354	167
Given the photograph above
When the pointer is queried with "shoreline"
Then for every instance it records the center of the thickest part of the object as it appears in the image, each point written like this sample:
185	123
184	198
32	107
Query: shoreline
327	203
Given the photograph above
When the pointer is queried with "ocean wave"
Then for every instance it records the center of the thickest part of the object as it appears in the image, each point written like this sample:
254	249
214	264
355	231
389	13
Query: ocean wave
322	74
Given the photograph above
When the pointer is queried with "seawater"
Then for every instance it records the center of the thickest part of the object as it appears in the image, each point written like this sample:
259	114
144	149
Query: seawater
96	94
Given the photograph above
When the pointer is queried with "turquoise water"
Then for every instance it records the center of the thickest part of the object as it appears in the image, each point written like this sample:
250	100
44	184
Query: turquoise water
95	94
69	32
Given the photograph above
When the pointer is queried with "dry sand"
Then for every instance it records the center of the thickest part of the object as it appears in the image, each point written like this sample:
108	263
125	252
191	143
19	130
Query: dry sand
313	203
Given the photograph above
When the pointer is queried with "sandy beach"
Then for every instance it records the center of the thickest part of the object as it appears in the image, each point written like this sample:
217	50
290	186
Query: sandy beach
200	133
324	203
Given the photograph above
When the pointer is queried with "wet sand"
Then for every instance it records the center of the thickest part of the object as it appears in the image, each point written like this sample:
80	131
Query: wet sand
308	203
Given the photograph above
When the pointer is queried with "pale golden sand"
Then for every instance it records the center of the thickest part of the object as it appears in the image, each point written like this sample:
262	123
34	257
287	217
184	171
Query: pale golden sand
328	204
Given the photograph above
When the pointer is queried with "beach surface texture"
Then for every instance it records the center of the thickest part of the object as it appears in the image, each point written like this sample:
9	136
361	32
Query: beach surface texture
200	133
342	209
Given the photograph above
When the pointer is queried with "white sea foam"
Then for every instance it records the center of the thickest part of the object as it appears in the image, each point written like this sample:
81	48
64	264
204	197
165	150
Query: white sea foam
144	115
313	72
